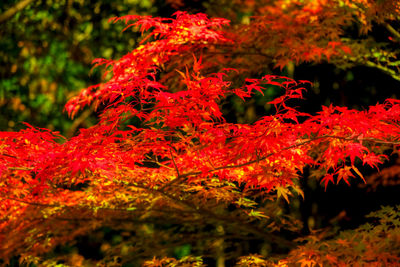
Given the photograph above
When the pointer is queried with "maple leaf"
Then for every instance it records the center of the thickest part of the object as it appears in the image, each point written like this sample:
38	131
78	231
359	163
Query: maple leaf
328	178
372	159
344	174
346	49
283	192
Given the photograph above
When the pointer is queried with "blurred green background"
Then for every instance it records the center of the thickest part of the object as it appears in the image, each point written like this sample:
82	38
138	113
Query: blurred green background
46	49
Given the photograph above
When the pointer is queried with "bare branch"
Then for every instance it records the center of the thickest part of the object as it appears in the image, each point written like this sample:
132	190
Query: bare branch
235	222
20	168
32	203
78	121
392	30
395	75
14	10
173	160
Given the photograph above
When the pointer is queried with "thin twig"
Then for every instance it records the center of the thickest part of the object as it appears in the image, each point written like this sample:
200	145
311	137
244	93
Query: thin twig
173	160
32	203
8	155
226	220
395	75
20	168
392	30
178	175
287	148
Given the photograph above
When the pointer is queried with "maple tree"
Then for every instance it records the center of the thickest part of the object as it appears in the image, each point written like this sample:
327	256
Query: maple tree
282	32
165	168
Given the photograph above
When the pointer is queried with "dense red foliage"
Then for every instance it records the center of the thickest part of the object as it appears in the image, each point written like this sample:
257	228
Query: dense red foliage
151	136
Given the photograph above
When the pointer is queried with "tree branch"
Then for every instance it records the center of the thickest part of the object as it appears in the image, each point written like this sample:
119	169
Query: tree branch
78	121
287	148
14	10
392	30
254	161
236	222
21	168
173	160
32	203
395	75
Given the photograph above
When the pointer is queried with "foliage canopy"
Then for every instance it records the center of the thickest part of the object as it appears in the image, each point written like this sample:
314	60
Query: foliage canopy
165	168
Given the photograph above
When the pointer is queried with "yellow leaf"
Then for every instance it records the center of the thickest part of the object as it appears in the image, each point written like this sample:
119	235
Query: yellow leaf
358	172
283	192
